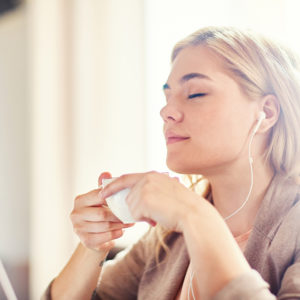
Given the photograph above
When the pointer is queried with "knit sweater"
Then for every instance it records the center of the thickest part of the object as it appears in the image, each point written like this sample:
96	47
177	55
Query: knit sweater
273	252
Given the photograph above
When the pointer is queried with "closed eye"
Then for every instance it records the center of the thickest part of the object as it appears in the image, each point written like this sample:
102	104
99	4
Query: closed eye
192	96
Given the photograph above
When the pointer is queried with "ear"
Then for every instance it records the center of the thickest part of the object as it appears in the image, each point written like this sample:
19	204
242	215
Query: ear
270	106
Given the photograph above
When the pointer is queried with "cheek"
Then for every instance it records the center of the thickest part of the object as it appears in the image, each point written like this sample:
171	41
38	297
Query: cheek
218	140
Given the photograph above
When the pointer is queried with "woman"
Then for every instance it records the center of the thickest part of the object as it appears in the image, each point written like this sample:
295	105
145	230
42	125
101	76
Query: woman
232	114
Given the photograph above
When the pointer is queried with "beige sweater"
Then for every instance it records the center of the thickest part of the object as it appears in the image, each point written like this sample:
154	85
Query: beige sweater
273	251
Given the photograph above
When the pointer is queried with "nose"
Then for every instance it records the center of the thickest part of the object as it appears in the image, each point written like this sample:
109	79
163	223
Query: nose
171	113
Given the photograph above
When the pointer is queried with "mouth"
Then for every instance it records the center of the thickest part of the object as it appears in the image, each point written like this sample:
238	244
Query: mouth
172	137
176	139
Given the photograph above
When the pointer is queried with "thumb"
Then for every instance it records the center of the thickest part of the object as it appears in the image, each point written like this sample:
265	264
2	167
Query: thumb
104	175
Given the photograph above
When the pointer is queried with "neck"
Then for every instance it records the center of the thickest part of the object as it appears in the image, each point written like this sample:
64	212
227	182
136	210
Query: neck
230	188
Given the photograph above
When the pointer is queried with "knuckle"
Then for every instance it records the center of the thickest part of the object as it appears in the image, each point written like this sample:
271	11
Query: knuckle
150	177
77	227
84	239
77	231
101	214
109	225
111	235
78	198
73	216
123	177
151	174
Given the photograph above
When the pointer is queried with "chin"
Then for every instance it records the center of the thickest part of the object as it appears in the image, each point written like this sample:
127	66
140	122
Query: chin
181	168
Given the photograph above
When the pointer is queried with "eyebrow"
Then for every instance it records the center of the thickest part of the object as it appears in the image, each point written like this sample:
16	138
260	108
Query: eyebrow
188	77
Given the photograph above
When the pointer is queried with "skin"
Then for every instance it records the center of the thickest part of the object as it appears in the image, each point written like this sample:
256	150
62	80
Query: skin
213	119
97	229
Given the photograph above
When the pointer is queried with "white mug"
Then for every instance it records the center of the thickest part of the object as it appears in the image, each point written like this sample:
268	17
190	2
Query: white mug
117	203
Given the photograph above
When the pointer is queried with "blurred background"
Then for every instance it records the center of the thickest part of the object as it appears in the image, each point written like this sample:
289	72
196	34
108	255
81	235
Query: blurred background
80	93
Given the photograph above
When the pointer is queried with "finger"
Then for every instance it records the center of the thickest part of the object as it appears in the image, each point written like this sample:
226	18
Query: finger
96	240
120	183
93	214
99	227
89	199
104	175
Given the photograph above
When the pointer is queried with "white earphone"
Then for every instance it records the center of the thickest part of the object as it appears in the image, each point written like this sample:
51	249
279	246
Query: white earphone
261	117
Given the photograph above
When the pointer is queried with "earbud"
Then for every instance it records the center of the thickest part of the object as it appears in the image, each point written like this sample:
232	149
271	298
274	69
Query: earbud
261	117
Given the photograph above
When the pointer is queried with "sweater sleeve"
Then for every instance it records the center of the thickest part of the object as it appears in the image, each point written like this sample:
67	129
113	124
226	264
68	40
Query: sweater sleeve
252	286
247	286
290	287
119	279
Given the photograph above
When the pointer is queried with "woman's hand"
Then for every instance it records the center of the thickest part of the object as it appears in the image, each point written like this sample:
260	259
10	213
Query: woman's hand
93	222
155	198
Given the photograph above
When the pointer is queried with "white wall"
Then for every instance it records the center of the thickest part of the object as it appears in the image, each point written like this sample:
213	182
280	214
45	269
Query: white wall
14	149
87	96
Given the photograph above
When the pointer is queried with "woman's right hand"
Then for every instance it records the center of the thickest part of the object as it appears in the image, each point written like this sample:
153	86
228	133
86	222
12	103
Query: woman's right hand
94	223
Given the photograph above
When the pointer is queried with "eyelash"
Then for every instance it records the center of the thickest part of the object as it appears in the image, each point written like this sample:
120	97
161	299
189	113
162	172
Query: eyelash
192	96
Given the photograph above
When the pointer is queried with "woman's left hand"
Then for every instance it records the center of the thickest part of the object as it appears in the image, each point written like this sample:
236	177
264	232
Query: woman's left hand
156	198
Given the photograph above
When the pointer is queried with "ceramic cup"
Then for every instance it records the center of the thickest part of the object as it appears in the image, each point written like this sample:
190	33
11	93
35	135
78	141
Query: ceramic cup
117	203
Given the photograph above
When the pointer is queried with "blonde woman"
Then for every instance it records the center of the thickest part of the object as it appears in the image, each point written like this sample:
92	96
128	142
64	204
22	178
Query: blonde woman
232	114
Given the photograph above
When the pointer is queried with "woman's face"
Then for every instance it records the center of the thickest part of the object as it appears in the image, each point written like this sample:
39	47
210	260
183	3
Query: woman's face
207	117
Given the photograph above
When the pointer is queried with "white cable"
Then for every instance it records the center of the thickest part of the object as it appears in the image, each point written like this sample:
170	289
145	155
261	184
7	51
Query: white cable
235	212
250	159
262	116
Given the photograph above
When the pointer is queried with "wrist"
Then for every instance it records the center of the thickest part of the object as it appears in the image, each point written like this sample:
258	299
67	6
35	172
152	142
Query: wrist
194	212
99	255
79	277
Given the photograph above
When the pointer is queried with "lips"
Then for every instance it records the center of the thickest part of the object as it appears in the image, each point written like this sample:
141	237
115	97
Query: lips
172	137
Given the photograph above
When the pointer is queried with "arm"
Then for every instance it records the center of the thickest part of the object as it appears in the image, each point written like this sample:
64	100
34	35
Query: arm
97	229
121	277
251	286
215	257
79	277
221	270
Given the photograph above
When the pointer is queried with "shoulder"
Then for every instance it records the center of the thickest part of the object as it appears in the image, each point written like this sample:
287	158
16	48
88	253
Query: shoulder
291	221
290	226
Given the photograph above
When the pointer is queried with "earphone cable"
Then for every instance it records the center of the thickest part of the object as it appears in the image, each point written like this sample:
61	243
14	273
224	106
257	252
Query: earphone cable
250	159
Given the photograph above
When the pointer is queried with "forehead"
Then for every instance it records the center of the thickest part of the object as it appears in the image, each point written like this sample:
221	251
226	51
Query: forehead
198	59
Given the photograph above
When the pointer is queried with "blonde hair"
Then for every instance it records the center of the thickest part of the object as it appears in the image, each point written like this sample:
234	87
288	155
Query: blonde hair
261	67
